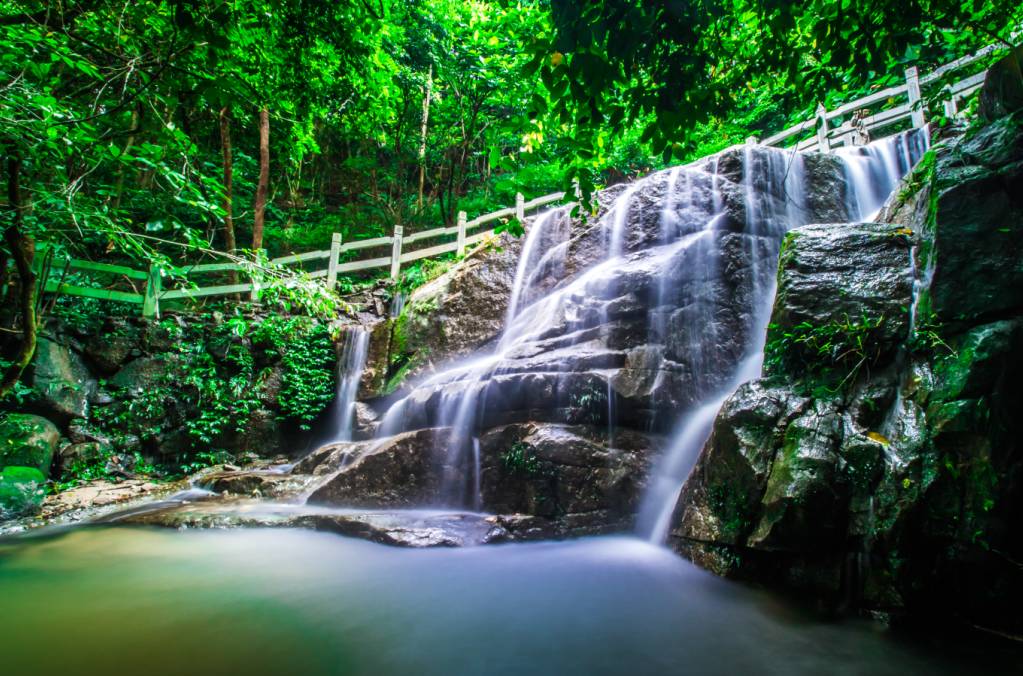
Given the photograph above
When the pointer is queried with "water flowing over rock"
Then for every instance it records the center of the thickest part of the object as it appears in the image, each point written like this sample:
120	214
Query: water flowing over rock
634	323
878	463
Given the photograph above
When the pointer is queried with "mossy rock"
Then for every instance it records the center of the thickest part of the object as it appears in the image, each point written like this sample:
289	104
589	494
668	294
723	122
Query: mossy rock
21	491
27	441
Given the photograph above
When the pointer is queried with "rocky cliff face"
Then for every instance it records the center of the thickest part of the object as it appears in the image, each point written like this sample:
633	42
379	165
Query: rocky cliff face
878	462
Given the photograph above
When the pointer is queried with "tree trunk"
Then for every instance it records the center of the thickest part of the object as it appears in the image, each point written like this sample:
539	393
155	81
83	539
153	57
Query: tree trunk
225	145
22	250
422	134
119	186
264	178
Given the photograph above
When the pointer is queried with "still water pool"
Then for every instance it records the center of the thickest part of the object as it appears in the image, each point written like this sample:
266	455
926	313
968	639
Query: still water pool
252	602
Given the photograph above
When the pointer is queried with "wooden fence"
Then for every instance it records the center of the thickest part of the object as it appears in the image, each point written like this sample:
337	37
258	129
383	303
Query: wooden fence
826	129
907	96
153	279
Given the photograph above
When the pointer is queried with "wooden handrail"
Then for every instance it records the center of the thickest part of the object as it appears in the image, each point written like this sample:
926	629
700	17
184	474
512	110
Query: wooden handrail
910	89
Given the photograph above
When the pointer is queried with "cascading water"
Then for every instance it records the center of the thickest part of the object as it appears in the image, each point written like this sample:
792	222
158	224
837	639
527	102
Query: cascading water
351	362
692	251
873	171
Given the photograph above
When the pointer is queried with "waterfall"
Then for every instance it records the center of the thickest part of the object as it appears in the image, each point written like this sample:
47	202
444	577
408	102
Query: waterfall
350	364
873	171
664	301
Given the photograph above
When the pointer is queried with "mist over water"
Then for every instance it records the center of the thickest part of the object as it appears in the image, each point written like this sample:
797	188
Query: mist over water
255	602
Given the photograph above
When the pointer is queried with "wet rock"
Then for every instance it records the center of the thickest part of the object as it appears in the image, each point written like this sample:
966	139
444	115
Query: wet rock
399	471
1002	93
416	529
411	529
113	346
453	315
266	484
552	470
978	227
27	441
803	506
61	381
896	489
720	502
21	491
366	421
144	374
852	284
378	360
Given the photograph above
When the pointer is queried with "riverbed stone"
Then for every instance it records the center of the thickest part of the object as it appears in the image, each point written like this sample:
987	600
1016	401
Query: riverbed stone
21	491
27	441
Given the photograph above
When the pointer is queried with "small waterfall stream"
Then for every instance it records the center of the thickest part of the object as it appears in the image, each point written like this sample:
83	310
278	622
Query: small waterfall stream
351	362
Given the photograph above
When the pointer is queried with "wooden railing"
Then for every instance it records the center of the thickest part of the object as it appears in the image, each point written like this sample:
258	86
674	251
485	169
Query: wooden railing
154	291
826	134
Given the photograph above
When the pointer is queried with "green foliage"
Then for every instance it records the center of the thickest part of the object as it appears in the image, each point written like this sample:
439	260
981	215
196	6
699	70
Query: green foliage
521	459
601	69
422	271
832	353
307	354
593	403
512	226
220	372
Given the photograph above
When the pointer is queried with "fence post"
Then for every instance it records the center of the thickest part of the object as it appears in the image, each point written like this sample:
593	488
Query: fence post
461	233
913	89
335	252
154	286
396	252
823	145
520	207
951	109
257	278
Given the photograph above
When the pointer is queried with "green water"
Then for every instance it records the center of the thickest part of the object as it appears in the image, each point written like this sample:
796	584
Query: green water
136	601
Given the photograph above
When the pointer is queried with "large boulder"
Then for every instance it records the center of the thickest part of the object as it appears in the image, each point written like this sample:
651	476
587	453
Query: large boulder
447	318
844	289
400	471
27	441
565	474
61	381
